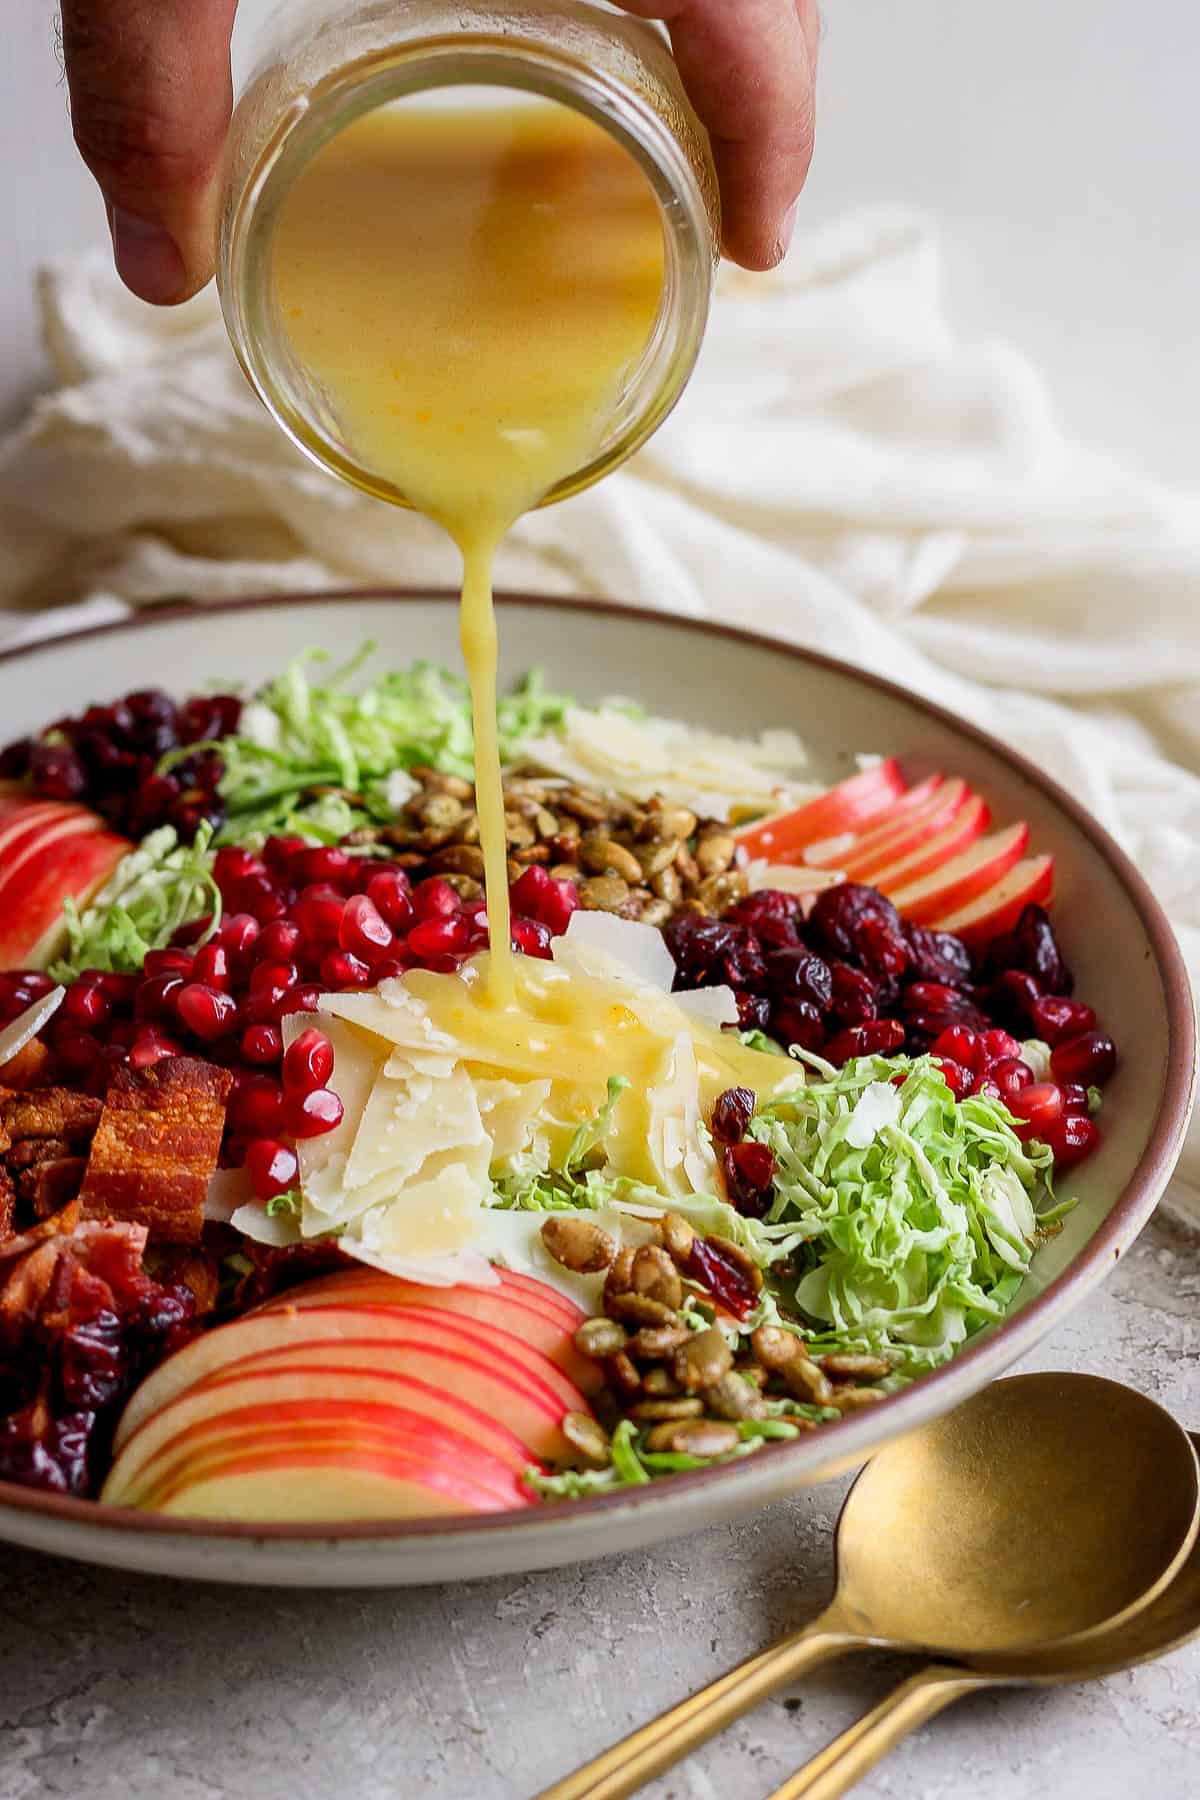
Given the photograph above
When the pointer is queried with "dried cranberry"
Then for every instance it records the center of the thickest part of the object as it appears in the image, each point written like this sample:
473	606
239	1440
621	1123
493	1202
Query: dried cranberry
938	956
798	1022
14	759
728	1283
754	1011
799	974
855	997
881	949
732	1112
57	773
1011	999
712	951
749	1170
1033	947
774	916
879	1037
1088	1059
839	912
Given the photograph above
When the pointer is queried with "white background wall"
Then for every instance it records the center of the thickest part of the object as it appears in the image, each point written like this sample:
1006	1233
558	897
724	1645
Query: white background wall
1056	141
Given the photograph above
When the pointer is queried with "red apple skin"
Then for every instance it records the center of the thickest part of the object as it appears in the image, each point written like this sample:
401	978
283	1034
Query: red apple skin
252	1430
424	1486
997	910
500	1306
901	833
528	1289
19	823
931	853
959	881
68	857
843	808
422	1379
314	1414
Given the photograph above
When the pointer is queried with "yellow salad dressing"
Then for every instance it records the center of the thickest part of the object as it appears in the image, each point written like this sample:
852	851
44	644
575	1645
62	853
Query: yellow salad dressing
469	287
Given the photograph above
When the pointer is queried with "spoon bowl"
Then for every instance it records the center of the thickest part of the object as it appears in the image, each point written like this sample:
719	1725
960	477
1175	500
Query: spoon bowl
1048	1507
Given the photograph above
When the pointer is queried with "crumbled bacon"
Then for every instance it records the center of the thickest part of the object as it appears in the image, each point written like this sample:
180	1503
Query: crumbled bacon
53	1112
27	1067
8	1205
156	1146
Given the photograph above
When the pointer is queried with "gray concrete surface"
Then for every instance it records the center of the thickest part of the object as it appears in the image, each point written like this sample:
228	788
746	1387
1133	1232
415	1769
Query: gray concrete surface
115	1687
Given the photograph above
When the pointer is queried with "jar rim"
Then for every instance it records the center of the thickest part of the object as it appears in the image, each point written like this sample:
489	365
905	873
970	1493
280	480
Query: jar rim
424	65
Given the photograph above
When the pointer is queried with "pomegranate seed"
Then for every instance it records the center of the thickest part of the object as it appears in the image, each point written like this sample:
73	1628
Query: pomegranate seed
150	1050
211	966
35	983
273	1167
256	1105
231	867
124	1031
878	1037
960	1044
438	936
307	1063
206	1011
959	1080
278	942
1038	1107
388	890
156	998
556	909
238	932
342	970
528	891
1054	1018
266	977
1071	1138
278	854
318	913
532	937
732	1112
259	896
1075	1098
1011	1076
301	999
86	1005
997	1046
262	1045
986	1088
121	989
1089	1058
167	962
363	930
187	936
390	968
310	1115
325	864
435	899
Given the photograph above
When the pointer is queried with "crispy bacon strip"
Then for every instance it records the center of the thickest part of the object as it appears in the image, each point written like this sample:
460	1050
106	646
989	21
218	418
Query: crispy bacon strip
156	1147
49	1113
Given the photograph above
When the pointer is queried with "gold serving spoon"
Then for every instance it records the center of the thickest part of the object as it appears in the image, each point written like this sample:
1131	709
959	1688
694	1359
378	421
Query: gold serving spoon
1167	1622
1046	1508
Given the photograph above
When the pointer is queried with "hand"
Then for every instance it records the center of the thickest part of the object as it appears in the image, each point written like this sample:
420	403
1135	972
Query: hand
151	97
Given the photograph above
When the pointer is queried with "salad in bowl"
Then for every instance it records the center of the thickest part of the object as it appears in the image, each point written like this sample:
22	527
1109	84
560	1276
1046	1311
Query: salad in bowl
294	1227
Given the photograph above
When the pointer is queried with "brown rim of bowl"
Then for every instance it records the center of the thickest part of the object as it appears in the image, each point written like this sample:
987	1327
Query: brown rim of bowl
848	1436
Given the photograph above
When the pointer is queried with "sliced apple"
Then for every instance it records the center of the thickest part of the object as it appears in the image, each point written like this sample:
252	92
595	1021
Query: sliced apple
934	854
846	807
207	1425
499	1306
830	852
958	881
895	837
997	909
18	823
65	856
320	1484
292	1327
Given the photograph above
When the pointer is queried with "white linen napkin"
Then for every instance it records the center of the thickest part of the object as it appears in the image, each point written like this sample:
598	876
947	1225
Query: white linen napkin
847	470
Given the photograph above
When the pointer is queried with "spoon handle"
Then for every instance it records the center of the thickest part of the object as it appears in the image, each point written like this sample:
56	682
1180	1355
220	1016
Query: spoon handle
841	1764
638	1758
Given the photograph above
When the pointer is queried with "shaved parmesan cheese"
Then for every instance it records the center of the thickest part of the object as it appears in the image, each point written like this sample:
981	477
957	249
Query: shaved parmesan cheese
25	1027
436	1217
791	878
509	1112
683	1161
878	1105
227	1190
255	1222
607	948
406	1120
715	1005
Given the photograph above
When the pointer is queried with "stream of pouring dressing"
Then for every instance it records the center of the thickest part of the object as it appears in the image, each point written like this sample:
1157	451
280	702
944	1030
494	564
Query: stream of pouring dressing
469	286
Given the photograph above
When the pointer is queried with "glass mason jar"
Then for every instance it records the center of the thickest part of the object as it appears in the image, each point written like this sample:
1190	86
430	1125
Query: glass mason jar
327	66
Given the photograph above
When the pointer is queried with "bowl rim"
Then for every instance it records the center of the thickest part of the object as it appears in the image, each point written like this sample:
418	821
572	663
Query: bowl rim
853	1437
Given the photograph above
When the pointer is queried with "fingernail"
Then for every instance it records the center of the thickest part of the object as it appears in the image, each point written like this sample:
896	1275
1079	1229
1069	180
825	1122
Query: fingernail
783	245
147	258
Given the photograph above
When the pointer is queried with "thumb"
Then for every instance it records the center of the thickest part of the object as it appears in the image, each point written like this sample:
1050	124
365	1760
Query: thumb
151	96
